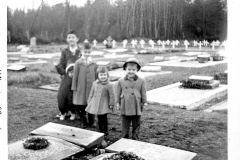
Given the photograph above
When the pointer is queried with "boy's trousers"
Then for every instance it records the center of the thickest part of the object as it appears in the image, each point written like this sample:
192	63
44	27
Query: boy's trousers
103	123
126	122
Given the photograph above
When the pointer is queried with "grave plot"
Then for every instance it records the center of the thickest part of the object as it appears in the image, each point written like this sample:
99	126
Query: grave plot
150	151
188	98
58	149
16	68
220	107
81	137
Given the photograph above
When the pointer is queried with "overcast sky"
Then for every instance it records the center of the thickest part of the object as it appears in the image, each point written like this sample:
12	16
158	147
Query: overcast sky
28	4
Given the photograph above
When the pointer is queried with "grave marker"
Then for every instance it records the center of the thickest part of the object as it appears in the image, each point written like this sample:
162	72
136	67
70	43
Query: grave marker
150	151
168	42
200	45
58	149
75	135
163	44
213	45
217	43
204	79
105	42
94	43
124	43
177	42
159	42
16	68
142	42
33	42
195	43
85	41
173	44
186	43
152	43
133	43
114	43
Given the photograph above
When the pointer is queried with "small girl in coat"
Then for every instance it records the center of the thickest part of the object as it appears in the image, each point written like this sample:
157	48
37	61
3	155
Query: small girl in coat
65	94
101	99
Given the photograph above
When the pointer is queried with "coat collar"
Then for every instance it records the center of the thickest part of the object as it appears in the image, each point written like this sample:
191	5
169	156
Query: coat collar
134	78
103	83
77	51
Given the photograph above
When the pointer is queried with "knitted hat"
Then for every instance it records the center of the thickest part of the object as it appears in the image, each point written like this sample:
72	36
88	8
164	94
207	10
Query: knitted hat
69	66
131	60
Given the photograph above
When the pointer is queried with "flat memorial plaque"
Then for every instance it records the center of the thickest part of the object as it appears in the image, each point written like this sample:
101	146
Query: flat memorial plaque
82	137
16	68
58	149
150	151
52	87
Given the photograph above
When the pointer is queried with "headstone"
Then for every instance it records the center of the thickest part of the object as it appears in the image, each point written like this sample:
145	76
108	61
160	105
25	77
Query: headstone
81	137
195	43
213	45
177	42
58	149
142	42
163	44
105	42
168	42
159	42
124	43
94	43
133	43
173	44
217	43
33	42
109	42
151	43
204	79
52	87
16	68
150	151
200	45
114	43
151	69
186	43
85	41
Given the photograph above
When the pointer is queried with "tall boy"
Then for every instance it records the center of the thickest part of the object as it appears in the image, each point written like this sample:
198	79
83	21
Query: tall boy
69	55
85	73
131	98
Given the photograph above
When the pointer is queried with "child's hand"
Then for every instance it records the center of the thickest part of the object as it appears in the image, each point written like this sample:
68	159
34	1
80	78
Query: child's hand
117	106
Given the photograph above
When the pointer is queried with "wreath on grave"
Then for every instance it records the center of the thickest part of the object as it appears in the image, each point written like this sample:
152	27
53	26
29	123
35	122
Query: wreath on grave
36	143
124	155
195	85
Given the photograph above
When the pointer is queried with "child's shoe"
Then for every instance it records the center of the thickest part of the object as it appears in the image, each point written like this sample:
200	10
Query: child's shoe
73	116
62	117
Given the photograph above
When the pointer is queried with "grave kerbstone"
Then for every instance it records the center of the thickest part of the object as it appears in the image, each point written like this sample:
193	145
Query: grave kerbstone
220	107
58	149
151	69
16	68
81	137
150	151
204	79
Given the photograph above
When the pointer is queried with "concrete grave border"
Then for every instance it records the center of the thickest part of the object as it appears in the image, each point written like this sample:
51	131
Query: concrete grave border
190	104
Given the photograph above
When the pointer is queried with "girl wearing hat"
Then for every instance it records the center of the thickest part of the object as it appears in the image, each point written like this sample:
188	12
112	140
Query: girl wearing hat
101	99
131	98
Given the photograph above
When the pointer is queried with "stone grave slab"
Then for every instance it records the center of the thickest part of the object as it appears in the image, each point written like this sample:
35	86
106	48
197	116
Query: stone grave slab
113	56
101	156
118	50
192	53
81	137
121	73
150	151
220	107
40	56
16	68
187	64
58	149
52	87
29	63
187	98
158	59
204	79
151	69
103	63
13	59
97	53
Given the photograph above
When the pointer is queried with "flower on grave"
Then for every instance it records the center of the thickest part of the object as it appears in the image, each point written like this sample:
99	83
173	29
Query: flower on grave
36	143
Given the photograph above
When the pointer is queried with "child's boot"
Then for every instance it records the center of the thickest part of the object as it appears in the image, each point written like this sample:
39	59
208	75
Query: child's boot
62	117
73	116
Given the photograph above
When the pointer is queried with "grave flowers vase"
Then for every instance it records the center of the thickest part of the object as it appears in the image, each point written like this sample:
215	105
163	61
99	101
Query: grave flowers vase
203	58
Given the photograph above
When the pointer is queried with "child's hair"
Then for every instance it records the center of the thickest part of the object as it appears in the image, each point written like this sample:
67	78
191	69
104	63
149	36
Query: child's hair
102	69
72	32
87	46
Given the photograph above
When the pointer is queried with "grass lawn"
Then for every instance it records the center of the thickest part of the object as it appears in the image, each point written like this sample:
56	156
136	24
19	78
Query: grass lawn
195	131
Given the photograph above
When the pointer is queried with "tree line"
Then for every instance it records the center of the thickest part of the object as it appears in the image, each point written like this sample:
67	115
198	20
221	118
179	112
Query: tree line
121	19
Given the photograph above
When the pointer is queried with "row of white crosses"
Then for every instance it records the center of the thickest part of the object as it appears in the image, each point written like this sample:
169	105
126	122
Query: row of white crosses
163	43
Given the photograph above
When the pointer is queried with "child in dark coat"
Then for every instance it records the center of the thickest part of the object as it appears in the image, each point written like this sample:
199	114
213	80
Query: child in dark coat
65	94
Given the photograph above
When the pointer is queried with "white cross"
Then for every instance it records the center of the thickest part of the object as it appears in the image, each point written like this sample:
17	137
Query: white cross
114	43
86	41
159	42
213	45
133	43
124	43
167	42
173	44
94	42
104	42
177	42
186	43
195	43
206	43
163	44
200	45
142	42
152	43
217	43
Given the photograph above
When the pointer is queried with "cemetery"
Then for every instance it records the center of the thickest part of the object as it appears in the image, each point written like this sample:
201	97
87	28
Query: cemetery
184	67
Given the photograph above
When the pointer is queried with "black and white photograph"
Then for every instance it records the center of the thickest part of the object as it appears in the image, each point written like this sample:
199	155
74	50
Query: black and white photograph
121	80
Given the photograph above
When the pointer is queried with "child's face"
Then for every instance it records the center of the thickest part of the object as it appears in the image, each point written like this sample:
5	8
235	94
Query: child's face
70	74
72	39
131	70
102	76
86	52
